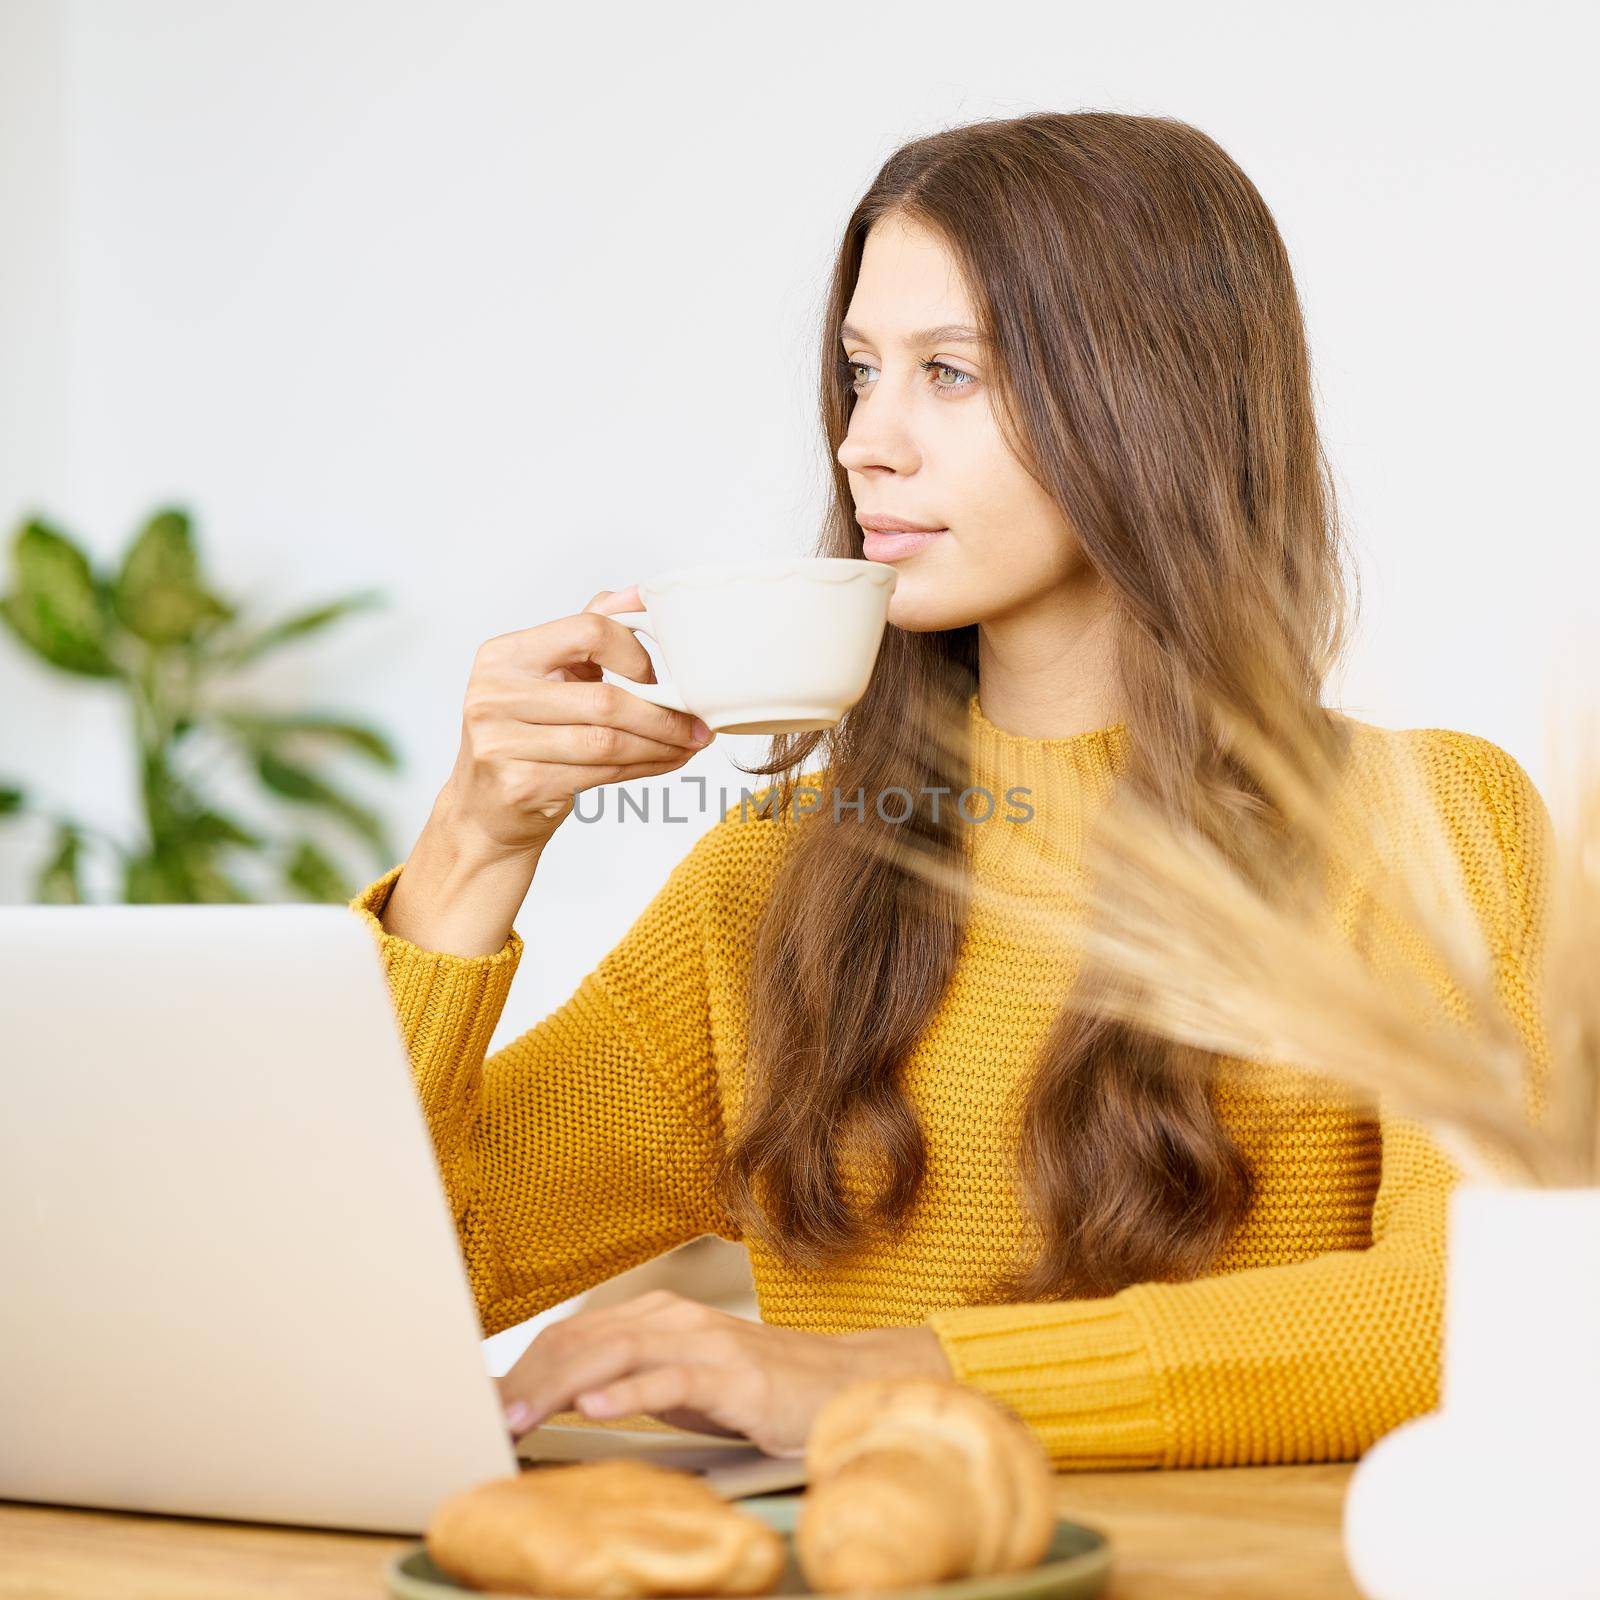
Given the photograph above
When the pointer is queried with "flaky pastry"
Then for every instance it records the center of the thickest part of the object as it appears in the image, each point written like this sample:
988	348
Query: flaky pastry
918	1480
613	1528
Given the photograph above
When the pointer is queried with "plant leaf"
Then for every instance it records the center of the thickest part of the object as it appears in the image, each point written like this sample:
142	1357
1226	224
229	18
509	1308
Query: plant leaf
55	607
58	882
11	801
211	828
297	625
179	876
260	728
158	593
310	871
300	784
146	882
207	883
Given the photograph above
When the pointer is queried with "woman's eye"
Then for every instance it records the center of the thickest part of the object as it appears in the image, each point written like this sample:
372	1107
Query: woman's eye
849	369
955	372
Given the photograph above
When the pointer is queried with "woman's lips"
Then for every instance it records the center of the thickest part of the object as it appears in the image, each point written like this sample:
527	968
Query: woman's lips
892	546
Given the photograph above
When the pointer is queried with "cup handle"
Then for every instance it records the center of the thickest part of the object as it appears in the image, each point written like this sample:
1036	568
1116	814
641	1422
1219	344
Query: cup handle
657	694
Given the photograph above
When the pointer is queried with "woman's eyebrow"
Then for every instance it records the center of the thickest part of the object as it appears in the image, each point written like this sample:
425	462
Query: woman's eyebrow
949	333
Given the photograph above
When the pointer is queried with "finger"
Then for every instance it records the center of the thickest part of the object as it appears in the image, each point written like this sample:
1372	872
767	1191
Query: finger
681	1389
591	637
582	1326
655	1308
604	600
638	1305
579	672
571	1367
589	640
586	671
617	600
586	638
581	744
544	705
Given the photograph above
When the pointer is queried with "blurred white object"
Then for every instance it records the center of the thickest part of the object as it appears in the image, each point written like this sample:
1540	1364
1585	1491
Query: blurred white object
1497	1491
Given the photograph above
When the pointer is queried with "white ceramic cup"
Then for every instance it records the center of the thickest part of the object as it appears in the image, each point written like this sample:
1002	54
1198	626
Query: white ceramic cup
780	646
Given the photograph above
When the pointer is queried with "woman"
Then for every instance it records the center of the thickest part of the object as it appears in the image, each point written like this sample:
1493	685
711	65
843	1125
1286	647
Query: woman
1070	345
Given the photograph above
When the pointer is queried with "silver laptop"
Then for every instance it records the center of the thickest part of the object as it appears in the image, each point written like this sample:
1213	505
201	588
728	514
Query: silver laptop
229	1281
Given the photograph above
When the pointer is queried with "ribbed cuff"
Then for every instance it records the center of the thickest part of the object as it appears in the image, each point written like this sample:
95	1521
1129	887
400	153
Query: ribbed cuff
1078	1372
447	1005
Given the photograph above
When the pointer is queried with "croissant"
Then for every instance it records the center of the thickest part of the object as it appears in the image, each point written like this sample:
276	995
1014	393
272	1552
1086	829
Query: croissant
918	1480
615	1528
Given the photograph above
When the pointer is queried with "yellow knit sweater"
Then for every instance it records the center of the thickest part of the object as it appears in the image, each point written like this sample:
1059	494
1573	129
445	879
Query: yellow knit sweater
586	1146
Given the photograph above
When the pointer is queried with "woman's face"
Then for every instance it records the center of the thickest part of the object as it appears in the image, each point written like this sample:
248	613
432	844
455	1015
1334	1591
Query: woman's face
924	444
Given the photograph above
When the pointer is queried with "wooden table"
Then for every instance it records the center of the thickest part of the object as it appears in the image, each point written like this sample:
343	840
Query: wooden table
1231	1533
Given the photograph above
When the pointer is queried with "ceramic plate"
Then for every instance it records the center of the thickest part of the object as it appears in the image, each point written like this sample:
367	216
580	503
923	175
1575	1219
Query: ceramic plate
1076	1564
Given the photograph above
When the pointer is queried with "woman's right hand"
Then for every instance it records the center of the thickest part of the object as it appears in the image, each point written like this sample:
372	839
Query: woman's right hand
539	724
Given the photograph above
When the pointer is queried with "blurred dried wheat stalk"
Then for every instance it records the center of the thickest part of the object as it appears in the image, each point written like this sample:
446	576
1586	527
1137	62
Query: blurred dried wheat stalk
1176	939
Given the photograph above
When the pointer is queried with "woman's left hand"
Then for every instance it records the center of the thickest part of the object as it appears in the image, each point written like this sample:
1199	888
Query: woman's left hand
701	1368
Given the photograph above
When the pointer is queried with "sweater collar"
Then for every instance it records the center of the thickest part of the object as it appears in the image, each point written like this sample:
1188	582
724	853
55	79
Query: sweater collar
1062	782
1093	753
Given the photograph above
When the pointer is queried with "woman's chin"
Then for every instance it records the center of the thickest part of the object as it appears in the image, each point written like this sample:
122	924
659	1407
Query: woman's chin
927	605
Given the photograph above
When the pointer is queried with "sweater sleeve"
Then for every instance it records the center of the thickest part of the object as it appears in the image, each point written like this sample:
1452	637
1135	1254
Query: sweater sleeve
586	1145
1309	1360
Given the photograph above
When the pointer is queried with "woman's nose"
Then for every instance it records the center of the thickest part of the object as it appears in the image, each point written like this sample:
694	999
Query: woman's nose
881	439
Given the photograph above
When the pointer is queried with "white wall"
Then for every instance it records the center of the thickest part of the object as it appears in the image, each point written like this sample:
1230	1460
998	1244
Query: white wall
498	304
46	725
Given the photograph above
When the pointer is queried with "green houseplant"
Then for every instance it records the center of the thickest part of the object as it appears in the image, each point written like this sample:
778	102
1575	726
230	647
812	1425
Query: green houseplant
158	630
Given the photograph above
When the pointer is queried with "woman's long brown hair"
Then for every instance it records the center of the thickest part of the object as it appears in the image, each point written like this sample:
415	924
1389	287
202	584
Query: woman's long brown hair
1152	373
